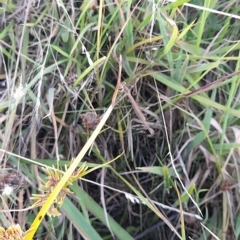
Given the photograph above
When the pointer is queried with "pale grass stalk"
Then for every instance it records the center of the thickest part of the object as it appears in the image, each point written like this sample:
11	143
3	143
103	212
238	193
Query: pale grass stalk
213	235
103	172
136	199
171	156
26	159
16	210
208	9
124	88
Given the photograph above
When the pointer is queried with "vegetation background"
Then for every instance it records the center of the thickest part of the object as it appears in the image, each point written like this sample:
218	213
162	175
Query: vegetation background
166	163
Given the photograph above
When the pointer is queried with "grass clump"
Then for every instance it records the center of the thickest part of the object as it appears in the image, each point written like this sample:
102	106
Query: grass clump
143	95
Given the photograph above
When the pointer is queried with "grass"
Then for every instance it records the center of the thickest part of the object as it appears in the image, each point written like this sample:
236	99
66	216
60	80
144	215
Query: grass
123	118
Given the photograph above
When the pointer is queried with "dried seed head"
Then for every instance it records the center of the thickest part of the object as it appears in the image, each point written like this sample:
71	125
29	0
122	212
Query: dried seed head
53	178
12	183
71	78
13	232
90	120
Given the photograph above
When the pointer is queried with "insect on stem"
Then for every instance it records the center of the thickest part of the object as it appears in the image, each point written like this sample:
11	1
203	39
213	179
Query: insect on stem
123	87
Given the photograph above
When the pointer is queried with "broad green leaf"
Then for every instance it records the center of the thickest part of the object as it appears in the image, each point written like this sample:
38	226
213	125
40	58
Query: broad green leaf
78	220
158	170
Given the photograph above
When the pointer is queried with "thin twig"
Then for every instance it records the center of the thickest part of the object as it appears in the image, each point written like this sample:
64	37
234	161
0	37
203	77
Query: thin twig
124	88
